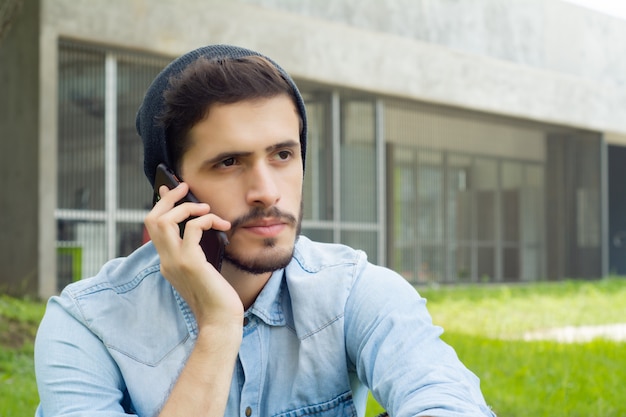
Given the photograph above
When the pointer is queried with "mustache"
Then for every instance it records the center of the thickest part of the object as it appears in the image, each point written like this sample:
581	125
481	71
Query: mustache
258	213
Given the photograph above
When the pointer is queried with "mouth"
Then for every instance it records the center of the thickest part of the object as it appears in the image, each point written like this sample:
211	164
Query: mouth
264	224
265	228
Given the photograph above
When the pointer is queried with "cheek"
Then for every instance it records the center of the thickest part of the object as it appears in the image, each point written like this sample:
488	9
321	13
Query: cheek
221	198
293	186
227	199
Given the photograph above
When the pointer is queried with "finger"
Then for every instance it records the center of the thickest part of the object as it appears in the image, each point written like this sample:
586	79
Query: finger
195	227
169	197
162	222
184	211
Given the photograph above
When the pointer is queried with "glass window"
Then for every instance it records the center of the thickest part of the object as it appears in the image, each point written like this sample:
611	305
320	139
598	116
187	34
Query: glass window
511	195
511	264
573	232
466	192
95	85
532	222
129	237
459	210
318	176
358	162
430	196
366	241
134	75
81	147
461	260
81	250
319	235
484	182
403	247
486	270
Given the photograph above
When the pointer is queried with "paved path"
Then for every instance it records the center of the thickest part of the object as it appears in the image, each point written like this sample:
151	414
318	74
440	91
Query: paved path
571	334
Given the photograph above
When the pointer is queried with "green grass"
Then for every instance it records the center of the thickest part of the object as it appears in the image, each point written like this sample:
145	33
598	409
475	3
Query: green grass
507	311
521	379
18	325
542	378
483	323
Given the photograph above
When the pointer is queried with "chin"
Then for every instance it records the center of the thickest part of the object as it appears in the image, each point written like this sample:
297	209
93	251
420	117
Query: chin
269	258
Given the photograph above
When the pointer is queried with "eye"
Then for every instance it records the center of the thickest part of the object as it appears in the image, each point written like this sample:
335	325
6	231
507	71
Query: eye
227	162
283	155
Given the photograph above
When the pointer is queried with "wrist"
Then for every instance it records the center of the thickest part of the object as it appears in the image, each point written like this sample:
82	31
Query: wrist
221	333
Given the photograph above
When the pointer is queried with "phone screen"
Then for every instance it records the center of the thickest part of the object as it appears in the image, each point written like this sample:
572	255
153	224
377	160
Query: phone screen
213	241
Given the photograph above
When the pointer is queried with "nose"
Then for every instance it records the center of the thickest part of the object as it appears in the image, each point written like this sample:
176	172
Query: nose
263	189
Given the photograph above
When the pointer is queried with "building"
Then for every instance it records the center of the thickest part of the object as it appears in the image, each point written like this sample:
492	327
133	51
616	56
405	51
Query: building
454	141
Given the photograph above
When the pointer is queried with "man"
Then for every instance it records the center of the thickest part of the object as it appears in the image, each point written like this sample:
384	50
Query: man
288	327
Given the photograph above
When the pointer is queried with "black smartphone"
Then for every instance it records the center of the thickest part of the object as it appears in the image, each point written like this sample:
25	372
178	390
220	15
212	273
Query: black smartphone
213	241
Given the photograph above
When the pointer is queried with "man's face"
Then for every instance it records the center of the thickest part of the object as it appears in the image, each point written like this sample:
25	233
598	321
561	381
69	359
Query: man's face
244	160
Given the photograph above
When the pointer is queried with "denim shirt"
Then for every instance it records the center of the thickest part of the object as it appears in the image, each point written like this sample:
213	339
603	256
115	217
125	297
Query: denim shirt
322	331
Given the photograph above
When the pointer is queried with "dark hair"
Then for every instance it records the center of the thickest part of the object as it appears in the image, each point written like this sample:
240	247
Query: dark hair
206	82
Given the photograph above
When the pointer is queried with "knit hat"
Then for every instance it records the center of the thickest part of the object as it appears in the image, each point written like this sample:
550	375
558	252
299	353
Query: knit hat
153	134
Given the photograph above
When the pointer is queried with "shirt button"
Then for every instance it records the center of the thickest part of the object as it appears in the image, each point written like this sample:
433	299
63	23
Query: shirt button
248	411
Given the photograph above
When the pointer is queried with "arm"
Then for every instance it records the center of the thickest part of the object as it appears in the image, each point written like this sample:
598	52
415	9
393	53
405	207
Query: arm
398	354
204	383
75	372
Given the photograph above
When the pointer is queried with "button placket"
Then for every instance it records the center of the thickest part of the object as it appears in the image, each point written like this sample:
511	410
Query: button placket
252	363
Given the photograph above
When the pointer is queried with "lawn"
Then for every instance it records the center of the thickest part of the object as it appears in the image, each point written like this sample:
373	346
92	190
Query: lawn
543	378
18	324
485	325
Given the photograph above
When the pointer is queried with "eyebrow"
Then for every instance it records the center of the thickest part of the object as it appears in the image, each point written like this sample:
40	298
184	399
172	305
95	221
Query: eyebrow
227	155
282	145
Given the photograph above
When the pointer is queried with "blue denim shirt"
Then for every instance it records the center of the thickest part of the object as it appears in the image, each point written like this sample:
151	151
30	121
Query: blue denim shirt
323	330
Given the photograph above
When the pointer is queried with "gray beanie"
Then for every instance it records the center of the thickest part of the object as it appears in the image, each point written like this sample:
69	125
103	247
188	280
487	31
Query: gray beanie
153	134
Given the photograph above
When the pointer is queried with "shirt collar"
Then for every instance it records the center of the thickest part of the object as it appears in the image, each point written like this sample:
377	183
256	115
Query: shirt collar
268	306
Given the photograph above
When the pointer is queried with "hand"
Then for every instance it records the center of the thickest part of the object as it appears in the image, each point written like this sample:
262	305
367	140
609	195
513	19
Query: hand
183	263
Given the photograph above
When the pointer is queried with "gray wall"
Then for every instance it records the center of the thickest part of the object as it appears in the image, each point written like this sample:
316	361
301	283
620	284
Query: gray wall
569	62
19	154
544	60
553	35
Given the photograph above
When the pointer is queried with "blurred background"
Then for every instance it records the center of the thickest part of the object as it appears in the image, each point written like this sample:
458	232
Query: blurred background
474	141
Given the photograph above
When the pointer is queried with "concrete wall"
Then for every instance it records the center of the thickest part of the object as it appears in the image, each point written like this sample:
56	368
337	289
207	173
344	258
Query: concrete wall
19	154
565	43
554	35
544	60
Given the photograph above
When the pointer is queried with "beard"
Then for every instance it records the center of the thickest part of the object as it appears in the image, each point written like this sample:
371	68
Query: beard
272	257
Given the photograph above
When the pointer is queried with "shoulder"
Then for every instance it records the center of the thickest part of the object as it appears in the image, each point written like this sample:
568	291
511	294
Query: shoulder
326	269
124	287
331	273
119	275
128	297
339	260
319	280
316	256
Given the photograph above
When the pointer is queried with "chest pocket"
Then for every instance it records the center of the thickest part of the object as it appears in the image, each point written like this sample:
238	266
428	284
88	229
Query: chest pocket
342	406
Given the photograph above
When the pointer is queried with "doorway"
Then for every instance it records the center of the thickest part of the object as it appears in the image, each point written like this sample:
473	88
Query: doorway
617	209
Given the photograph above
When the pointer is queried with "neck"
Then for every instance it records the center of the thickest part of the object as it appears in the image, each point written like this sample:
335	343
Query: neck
247	285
